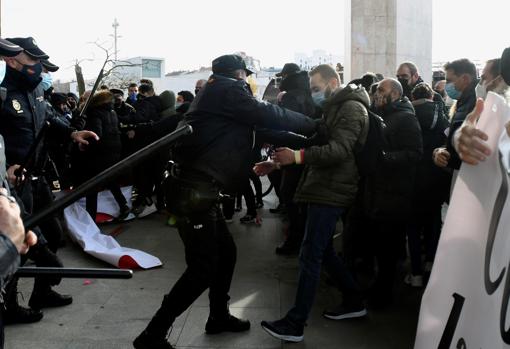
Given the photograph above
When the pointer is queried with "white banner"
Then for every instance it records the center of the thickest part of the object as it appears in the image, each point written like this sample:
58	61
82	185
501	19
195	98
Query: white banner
86	233
465	304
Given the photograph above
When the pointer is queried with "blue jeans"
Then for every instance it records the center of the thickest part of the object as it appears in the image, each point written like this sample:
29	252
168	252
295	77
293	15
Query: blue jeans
316	250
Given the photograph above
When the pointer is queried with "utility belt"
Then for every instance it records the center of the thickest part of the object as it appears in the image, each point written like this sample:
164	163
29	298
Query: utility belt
189	192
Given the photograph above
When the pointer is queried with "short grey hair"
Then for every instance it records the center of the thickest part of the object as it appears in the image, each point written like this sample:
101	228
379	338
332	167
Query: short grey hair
396	86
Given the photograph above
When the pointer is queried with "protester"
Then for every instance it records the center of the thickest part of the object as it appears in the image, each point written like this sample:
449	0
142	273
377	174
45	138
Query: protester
328	187
461	83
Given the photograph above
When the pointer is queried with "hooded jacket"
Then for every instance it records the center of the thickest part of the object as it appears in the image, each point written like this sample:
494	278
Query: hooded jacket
390	190
331	176
167	99
298	96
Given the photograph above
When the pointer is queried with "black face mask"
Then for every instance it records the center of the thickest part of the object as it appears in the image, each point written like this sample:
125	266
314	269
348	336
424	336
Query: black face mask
405	86
197	90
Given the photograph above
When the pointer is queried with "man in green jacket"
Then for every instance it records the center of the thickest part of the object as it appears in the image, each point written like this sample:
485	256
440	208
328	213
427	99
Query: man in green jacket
328	186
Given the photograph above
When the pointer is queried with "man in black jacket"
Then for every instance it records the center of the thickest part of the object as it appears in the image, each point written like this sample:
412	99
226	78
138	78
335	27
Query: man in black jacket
389	192
461	80
213	159
24	111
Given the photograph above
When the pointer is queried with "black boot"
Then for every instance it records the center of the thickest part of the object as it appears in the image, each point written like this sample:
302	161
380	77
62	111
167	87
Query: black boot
14	313
147	341
227	323
44	297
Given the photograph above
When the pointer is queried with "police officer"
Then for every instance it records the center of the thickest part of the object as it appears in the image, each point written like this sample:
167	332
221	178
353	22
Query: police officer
24	112
13	240
215	158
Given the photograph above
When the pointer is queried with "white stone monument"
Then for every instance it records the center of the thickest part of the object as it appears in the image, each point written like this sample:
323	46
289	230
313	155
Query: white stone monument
384	33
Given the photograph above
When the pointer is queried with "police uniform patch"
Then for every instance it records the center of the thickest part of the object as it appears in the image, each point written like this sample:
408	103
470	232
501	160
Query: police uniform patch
16	105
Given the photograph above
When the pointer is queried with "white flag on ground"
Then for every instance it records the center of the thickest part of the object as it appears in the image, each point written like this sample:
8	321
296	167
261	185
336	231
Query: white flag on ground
466	301
87	234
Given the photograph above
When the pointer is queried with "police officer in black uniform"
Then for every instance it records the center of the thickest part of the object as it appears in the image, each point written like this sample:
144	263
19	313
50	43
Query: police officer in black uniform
215	158
23	113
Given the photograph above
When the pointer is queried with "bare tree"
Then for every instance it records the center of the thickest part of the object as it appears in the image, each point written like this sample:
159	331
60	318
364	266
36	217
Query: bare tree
113	74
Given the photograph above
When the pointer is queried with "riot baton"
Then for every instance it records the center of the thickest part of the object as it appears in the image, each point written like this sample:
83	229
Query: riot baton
31	154
94	88
77	273
105	176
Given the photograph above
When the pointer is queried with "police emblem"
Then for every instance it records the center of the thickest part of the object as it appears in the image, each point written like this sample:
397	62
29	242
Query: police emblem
16	105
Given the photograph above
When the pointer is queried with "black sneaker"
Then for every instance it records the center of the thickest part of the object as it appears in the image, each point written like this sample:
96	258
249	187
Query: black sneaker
284	329
228	324
248	219
343	311
49	299
146	341
22	315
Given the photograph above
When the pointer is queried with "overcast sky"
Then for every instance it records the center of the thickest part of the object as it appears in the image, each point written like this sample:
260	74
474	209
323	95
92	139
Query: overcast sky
189	34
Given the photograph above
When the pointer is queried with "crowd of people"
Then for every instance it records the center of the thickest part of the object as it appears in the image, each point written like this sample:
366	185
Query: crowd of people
379	154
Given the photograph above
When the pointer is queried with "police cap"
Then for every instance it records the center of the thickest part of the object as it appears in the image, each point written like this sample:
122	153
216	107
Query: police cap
49	66
30	47
229	63
9	49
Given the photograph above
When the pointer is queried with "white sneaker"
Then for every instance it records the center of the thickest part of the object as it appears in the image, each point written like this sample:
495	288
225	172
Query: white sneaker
414	280
148	210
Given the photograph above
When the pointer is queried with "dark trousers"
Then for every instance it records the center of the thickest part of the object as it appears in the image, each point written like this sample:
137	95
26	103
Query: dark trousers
210	257
430	224
275	178
249	198
91	203
316	251
37	195
296	213
389	243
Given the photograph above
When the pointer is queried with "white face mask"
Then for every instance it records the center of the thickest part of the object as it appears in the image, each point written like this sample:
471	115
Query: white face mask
481	91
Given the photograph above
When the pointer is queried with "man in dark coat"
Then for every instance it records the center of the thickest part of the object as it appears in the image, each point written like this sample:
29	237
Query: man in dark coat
24	111
297	96
99	155
409	77
389	192
211	160
431	184
460	85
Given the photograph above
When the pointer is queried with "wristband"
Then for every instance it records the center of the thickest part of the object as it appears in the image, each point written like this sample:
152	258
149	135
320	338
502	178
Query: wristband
299	156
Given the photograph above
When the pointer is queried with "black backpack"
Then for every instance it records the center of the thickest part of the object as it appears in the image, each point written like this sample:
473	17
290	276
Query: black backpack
369	154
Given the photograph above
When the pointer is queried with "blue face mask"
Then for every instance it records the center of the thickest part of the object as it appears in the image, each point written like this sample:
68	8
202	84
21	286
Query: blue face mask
319	98
47	81
452	92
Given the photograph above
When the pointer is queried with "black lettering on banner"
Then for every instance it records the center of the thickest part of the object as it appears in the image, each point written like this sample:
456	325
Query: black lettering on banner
461	344
505	334
491	287
451	324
